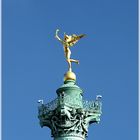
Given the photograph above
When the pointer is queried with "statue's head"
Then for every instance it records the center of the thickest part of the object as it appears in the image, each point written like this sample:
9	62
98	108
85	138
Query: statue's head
67	38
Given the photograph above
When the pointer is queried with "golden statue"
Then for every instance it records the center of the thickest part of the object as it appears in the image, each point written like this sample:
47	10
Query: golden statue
69	41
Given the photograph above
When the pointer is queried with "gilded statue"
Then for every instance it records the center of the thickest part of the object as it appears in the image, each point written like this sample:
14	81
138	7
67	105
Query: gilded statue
69	41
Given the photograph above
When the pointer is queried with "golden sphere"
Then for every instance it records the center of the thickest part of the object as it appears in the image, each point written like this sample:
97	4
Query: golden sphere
69	76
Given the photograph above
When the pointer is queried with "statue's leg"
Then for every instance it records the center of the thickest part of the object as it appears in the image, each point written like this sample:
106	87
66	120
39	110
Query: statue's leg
69	63
68	54
75	61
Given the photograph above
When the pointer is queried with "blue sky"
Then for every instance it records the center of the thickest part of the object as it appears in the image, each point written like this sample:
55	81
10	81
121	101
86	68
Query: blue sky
33	63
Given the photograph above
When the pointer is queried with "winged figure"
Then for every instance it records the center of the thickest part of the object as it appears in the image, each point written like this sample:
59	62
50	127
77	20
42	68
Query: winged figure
69	41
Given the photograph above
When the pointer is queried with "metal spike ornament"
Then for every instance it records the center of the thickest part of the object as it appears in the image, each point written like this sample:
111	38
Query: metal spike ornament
69	116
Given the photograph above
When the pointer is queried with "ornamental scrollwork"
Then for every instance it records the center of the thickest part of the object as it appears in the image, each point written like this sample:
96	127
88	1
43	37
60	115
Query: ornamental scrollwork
64	120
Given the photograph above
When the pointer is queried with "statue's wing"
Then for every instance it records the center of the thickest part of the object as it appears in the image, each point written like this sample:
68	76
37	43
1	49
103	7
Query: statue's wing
75	38
82	35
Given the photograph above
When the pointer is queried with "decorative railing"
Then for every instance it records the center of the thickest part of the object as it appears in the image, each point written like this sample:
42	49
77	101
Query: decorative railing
87	105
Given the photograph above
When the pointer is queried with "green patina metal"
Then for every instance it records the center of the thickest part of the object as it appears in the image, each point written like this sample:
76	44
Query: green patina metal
70	94
69	116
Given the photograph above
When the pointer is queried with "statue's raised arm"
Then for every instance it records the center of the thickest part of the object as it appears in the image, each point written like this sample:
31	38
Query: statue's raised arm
57	37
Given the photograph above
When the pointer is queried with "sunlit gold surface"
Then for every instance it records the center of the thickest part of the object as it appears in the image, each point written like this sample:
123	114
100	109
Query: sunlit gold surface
69	41
69	76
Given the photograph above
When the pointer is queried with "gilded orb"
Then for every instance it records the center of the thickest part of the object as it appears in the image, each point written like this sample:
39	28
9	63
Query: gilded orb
69	76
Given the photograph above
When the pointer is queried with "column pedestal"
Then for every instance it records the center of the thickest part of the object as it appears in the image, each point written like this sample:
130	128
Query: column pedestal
69	115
